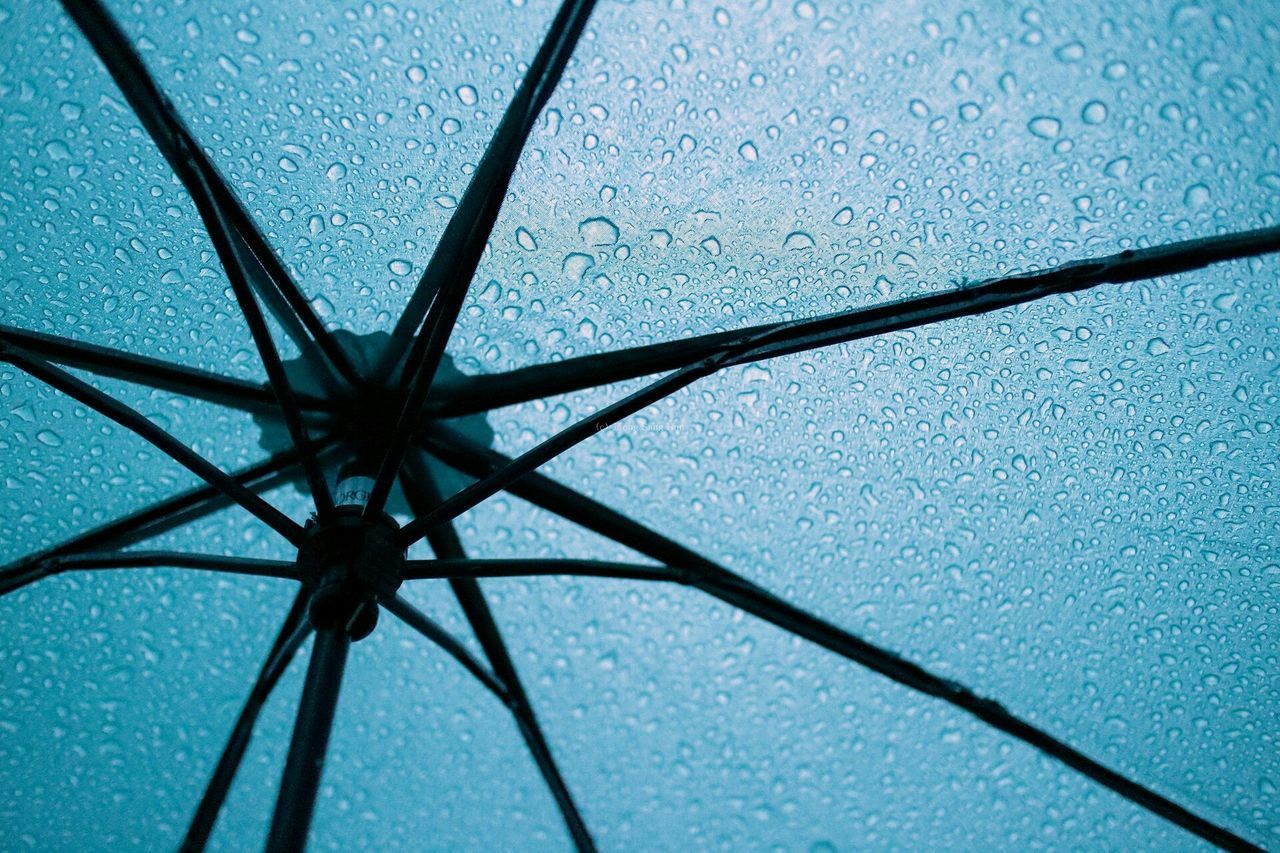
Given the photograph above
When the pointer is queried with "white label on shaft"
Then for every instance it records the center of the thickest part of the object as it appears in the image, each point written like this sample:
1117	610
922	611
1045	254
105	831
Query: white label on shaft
353	491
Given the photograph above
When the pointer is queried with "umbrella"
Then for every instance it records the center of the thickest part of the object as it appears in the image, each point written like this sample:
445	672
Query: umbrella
898	448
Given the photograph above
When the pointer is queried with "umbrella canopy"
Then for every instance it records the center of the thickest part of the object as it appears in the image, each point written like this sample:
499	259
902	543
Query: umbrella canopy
643	425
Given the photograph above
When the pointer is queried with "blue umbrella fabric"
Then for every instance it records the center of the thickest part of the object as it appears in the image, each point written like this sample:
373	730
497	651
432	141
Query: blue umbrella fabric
638	425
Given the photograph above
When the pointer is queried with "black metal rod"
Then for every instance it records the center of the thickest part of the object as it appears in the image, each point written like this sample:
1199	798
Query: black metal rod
154	373
161	440
304	767
188	161
420	622
747	596
692	569
296	314
170	513
286	569
334	382
237	273
24	574
443	289
458	252
477	460
421	490
293	632
472	568
785	338
567	438
480	393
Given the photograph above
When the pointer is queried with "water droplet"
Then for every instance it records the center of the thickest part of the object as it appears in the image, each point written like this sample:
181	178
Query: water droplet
49	438
1197	195
576	265
336	172
468	95
1117	168
598	231
416	74
747	151
797	240
843	216
400	266
1157	346
1094	112
1073	52
323	307
525	239
1045	127
287	164
1115	70
1225	301
711	246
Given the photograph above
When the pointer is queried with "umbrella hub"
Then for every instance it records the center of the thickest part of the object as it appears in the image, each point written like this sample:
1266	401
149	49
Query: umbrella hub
364	417
353	563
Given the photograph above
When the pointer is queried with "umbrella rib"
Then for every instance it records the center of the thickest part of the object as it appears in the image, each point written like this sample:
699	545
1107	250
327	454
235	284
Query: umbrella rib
309	744
476	460
420	622
293	632
177	560
421	489
23	575
744	595
780	339
517	568
567	438
486	392
155	373
190	164
469	228
689	568
443	288
161	440
161	517
220	234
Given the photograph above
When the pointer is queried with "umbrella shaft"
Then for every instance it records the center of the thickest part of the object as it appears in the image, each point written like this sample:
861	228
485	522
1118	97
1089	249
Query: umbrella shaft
303	768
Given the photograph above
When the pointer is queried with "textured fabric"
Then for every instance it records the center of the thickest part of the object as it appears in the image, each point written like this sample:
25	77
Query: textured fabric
1070	506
